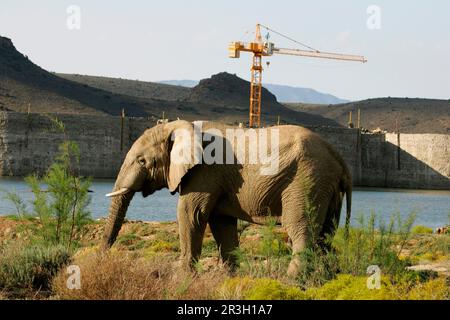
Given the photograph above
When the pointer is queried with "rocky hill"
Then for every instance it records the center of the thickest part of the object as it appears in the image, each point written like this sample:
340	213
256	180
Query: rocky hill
134	88
408	115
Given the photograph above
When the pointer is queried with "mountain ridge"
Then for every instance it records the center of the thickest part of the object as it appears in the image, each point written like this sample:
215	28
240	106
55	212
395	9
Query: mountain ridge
284	93
26	87
405	115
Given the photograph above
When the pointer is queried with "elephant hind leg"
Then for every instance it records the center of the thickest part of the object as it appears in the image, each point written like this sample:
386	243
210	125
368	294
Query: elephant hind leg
303	224
294	220
224	230
299	235
331	222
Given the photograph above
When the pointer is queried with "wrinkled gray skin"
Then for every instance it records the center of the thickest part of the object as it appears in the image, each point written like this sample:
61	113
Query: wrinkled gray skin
311	182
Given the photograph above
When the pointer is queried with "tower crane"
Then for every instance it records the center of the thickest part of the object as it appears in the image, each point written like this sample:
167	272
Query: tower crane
263	49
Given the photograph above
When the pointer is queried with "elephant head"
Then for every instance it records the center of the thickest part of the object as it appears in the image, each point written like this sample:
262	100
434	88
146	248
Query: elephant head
157	159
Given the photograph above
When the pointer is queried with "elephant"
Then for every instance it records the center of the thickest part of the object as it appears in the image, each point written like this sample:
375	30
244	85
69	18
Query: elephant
311	179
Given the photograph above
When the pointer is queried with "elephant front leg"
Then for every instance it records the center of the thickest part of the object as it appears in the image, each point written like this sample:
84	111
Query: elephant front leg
192	225
224	230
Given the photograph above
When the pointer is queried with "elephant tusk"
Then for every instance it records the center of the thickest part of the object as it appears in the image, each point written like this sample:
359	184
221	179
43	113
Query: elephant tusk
118	192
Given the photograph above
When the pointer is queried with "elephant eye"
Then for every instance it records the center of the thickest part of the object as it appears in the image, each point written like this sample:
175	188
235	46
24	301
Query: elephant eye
141	161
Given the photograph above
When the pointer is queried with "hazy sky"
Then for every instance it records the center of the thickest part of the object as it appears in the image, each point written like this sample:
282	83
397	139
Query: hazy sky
409	54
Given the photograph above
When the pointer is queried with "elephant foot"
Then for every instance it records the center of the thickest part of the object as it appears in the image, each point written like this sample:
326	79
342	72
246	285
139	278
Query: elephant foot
183	265
294	268
229	267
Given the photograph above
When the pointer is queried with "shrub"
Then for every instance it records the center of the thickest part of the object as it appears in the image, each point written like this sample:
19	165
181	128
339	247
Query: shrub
421	230
436	289
31	267
367	245
348	287
317	267
268	256
258	289
19	205
62	207
272	244
128	239
431	247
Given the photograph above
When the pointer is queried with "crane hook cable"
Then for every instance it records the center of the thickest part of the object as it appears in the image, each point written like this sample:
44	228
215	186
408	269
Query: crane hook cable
289	38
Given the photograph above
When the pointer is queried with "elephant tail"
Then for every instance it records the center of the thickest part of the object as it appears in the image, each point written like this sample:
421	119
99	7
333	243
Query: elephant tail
348	198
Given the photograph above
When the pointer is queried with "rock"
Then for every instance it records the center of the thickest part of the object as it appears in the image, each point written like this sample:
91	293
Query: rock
442	230
439	267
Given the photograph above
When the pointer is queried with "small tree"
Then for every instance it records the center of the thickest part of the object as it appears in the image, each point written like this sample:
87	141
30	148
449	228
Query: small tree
62	205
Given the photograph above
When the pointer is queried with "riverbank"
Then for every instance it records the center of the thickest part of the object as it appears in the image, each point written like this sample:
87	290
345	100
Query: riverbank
142	265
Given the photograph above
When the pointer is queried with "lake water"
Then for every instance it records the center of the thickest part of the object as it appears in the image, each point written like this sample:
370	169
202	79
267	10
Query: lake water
431	207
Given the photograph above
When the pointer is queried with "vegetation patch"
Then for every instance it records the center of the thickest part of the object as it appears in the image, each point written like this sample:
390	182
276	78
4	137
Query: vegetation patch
30	268
421	230
258	289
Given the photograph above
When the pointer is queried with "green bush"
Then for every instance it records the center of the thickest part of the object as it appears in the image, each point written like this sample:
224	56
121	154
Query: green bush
258	289
269	289
61	196
30	267
271	244
343	287
348	287
18	203
61	208
317	267
431	247
421	230
367	245
270	257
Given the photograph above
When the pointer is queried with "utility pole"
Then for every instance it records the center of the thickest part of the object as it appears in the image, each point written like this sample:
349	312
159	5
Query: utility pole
359	118
122	120
350	123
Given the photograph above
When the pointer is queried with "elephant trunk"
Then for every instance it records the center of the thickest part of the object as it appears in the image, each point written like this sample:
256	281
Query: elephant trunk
117	211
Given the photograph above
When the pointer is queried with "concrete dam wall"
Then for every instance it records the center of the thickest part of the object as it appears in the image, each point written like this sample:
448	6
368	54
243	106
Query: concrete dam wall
29	143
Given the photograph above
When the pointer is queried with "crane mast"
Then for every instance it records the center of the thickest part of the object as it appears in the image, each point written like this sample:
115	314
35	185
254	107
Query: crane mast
261	49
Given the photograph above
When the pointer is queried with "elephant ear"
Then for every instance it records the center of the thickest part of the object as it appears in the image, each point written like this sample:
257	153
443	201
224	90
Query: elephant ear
185	151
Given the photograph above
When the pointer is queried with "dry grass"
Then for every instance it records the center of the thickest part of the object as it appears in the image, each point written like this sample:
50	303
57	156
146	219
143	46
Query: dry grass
122	276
